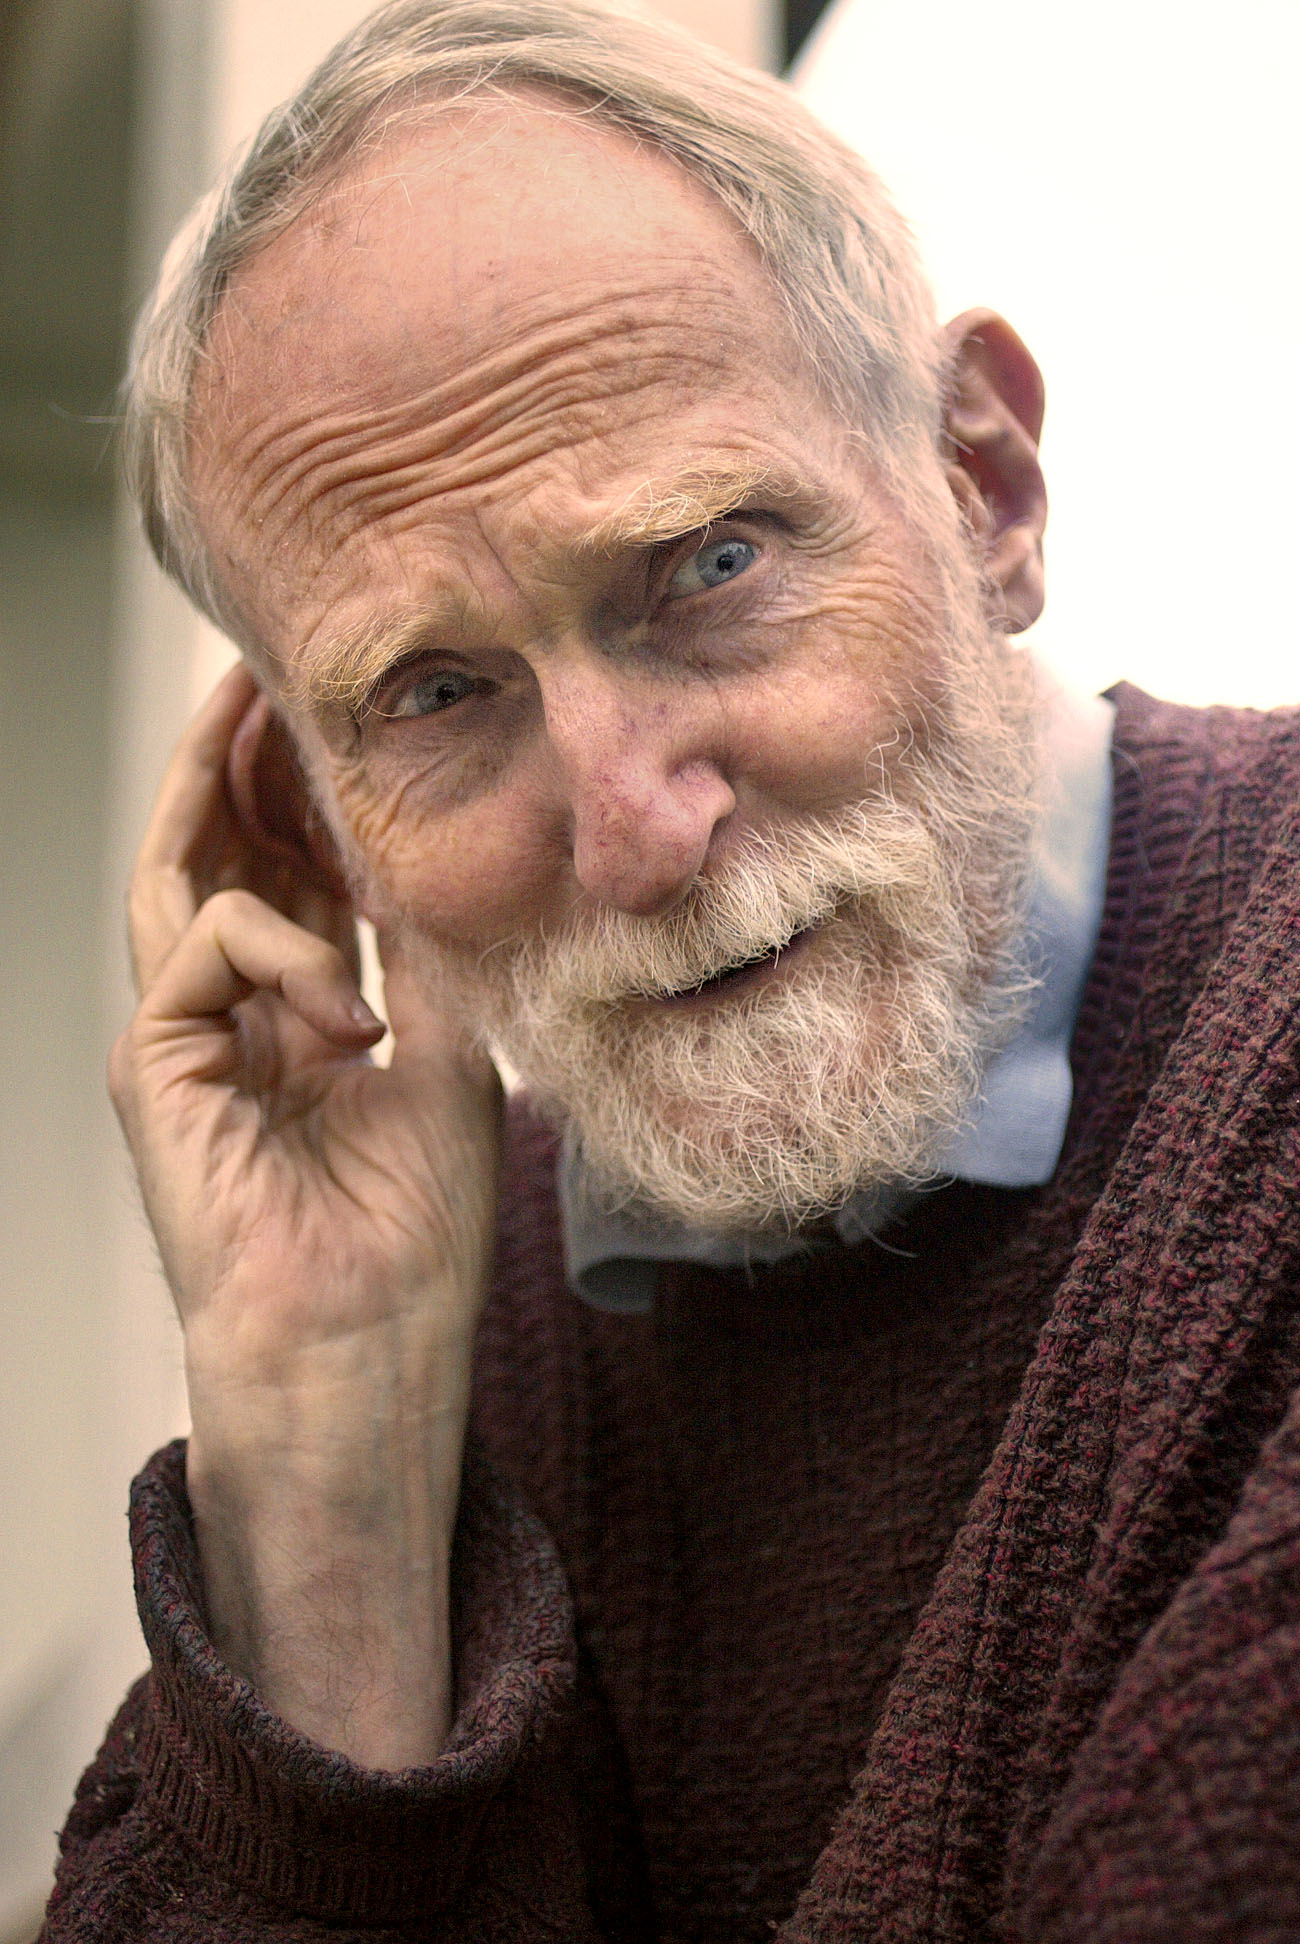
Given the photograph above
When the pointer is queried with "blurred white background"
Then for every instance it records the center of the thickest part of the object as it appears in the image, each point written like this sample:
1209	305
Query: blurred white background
1118	179
1121	180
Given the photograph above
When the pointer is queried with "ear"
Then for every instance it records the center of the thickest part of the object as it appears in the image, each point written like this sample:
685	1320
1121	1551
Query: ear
274	803
993	418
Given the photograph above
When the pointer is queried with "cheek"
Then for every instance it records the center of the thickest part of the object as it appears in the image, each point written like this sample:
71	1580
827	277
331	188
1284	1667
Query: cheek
844	701
470	874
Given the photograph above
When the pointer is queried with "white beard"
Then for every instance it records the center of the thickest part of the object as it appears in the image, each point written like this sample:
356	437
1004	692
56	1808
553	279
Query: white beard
769	1106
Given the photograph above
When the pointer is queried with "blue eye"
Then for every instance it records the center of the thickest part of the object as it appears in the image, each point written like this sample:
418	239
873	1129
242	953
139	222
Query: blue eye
714	565
430	694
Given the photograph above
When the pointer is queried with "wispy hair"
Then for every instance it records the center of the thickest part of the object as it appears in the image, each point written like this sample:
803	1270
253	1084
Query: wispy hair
839	255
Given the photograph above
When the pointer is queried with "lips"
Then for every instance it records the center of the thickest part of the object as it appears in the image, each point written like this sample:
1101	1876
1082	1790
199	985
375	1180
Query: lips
743	972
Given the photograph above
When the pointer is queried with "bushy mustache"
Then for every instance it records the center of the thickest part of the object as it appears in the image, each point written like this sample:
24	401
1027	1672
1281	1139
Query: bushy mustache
778	885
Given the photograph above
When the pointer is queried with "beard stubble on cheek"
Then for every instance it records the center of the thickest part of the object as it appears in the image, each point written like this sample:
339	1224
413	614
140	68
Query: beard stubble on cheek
768	1106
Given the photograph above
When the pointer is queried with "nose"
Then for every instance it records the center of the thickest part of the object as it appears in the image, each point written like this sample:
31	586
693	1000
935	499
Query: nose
643	786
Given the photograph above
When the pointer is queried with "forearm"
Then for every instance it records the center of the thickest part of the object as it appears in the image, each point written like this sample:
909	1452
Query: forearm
324	1499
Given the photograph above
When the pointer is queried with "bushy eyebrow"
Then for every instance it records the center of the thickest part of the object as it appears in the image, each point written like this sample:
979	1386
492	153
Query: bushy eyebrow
691	500
339	674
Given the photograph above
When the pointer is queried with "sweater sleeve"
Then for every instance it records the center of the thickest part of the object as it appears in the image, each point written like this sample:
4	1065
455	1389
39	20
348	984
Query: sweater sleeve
206	1817
1182	1816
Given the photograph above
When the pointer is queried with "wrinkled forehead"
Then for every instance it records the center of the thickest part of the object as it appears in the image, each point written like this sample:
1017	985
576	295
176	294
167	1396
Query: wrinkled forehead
508	283
458	238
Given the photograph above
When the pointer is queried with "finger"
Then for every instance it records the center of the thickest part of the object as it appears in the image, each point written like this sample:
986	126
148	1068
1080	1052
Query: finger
164	894
237	946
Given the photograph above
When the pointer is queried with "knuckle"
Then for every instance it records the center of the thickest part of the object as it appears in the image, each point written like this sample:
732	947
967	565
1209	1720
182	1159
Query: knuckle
121	1069
139	912
232	906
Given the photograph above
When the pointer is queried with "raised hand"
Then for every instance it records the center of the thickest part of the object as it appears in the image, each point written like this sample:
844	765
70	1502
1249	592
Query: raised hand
325	1224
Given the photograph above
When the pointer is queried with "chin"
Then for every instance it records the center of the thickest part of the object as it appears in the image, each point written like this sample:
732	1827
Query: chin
766	1102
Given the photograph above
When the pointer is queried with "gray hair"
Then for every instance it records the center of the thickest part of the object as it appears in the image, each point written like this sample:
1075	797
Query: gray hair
838	253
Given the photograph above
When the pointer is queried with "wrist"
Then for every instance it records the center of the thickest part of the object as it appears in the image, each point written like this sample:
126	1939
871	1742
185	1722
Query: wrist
324	1510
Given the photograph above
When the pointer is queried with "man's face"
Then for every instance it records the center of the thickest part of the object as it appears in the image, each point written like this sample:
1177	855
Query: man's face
583	608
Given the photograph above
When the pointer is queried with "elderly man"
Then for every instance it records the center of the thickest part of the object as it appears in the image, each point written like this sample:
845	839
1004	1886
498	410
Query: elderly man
820	1458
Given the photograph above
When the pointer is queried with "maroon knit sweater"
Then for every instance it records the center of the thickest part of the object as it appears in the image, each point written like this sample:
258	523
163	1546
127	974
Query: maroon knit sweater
948	1591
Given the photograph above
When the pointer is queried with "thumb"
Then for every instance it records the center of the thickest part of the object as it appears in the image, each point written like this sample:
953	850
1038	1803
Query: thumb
428	1001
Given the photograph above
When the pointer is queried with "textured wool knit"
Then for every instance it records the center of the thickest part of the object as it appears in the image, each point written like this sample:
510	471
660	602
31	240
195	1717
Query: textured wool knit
943	1591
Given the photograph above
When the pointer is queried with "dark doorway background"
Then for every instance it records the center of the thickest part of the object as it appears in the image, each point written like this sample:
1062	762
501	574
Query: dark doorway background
798	17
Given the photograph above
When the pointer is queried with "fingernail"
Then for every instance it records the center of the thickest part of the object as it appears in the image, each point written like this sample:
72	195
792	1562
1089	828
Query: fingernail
365	1018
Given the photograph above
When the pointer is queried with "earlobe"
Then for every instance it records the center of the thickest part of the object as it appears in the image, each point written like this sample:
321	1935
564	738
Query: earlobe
993	418
273	802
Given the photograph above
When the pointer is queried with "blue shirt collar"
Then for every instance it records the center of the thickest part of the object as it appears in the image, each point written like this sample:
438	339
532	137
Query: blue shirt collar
1013	1136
